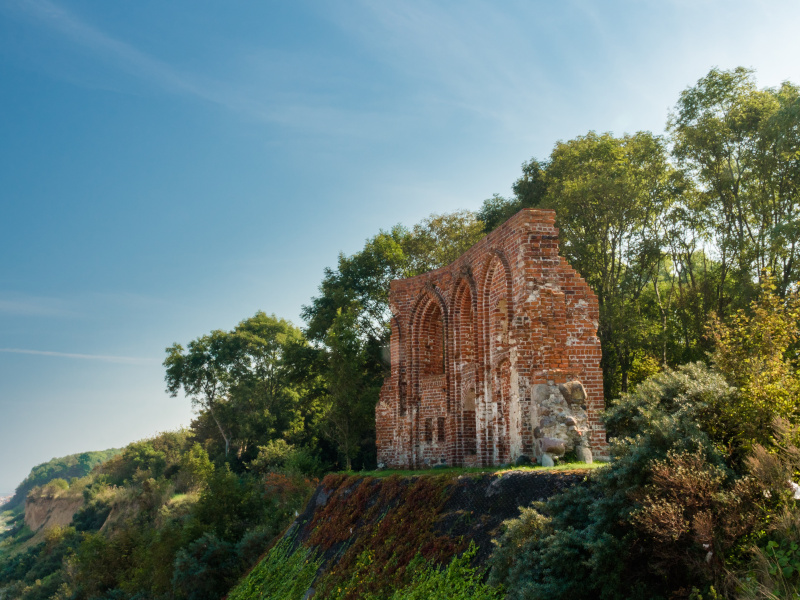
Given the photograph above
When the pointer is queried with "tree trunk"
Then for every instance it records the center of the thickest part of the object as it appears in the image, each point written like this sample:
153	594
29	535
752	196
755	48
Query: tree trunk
221	431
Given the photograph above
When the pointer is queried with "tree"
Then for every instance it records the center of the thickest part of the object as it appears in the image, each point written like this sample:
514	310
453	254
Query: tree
611	196
529	191
362	280
439	240
242	380
353	382
266	399
742	146
203	373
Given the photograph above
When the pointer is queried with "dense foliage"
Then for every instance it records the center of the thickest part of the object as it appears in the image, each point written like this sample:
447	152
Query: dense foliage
159	520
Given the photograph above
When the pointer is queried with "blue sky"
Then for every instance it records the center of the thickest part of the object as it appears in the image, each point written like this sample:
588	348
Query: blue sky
169	168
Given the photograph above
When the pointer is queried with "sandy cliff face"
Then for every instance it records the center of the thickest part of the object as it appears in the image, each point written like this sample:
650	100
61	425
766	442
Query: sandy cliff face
47	512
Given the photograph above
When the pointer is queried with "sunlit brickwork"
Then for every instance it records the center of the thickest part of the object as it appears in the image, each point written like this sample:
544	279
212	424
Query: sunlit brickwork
494	356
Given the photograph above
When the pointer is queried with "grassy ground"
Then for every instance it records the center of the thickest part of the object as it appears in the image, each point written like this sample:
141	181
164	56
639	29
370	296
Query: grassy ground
477	470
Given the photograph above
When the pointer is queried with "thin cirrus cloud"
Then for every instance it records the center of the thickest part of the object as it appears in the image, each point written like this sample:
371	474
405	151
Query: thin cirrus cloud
33	307
459	58
254	100
125	360
146	67
82	305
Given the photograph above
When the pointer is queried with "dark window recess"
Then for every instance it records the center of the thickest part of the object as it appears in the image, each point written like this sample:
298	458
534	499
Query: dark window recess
428	430
431	335
440	429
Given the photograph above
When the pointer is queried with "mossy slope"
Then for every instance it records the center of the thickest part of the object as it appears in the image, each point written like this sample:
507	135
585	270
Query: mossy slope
368	535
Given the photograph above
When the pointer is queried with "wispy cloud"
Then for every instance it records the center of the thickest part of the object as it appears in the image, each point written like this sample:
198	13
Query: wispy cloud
33	306
270	91
74	305
125	360
139	63
482	60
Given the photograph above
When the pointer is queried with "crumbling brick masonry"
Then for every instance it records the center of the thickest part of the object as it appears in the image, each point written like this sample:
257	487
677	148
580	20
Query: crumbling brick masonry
494	357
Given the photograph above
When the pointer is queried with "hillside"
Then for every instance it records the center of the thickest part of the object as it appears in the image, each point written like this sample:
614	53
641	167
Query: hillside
65	467
368	534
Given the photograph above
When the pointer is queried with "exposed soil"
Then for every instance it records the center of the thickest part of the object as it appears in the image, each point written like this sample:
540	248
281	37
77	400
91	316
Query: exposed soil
45	513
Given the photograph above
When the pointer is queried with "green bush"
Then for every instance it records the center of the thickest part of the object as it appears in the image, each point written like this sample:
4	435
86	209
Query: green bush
205	569
195	468
272	456
278	456
253	544
666	467
304	462
227	507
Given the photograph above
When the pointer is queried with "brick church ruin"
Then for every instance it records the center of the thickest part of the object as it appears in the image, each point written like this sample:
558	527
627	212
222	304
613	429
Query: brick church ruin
494	357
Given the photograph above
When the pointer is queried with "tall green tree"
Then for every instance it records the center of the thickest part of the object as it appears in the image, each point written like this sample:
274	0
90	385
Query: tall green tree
529	191
202	371
363	278
353	382
267	400
611	196
243	381
742	147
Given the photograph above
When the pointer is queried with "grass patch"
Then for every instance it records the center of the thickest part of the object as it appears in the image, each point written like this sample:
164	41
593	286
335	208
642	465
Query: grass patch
179	499
502	469
456	581
569	466
283	574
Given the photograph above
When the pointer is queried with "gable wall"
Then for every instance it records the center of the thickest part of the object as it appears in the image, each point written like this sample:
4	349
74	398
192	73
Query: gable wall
478	349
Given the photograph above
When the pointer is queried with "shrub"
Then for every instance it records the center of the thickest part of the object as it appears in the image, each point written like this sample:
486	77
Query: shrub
227	506
280	456
305	462
755	352
195	468
774	567
272	456
693	514
51	489
253	544
638	529
205	569
690	394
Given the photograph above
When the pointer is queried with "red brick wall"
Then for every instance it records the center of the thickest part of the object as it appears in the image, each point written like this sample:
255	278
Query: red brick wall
474	342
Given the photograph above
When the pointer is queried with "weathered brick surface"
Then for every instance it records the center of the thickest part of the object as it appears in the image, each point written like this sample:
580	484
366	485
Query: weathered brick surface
481	351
